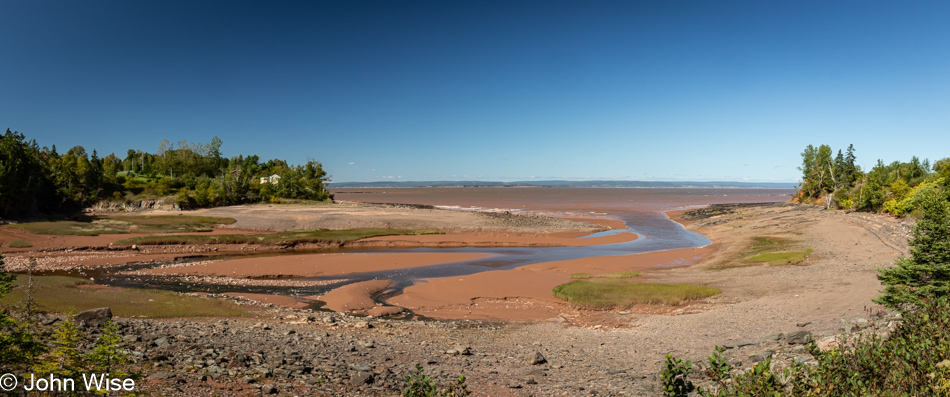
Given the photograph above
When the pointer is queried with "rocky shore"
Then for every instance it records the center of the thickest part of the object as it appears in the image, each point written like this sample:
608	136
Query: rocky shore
302	352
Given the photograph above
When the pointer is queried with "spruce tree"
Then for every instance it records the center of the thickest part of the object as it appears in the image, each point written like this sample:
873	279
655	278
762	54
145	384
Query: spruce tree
926	273
18	345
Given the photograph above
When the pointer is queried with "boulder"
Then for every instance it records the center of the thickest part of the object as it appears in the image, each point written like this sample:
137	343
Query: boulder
798	338
538	359
94	317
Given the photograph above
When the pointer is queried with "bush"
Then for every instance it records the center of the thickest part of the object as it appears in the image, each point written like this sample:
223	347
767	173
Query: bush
419	384
914	361
926	273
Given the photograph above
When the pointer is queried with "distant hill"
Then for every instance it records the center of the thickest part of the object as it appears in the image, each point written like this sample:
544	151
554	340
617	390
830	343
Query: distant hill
668	184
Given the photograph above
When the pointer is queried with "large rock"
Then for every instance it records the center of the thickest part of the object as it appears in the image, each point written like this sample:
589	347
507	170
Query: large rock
537	359
94	317
798	338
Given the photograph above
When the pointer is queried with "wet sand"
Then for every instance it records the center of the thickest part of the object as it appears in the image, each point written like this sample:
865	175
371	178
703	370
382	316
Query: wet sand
567	239
277	300
312	265
524	294
357	298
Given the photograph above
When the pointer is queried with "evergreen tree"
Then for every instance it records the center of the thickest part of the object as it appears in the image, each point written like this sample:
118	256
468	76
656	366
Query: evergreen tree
926	273
850	175
18	346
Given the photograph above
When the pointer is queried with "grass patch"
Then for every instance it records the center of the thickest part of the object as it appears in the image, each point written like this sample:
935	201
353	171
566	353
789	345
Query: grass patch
62	295
580	276
609	293
620	275
281	238
127	224
72	228
19	244
766	249
780	258
764	244
166	223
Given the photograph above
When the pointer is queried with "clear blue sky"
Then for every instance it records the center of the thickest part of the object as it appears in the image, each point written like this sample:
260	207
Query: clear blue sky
488	90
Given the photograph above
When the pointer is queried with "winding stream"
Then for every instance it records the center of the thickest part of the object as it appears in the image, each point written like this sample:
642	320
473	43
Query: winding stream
640	209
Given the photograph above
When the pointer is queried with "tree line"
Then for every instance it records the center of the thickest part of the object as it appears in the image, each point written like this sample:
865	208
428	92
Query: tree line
897	188
36	179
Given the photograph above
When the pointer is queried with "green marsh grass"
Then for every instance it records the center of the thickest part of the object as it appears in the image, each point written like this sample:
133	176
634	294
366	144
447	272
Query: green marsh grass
280	238
766	249
780	258
19	244
127	224
166	223
580	276
619	275
612	293
62	295
69	228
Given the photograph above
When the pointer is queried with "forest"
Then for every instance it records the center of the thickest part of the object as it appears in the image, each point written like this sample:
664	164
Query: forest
38	180
897	188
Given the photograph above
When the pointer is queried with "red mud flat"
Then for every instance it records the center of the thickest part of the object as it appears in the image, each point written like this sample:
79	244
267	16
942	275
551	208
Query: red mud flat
567	239
314	265
524	294
501	239
357	298
277	300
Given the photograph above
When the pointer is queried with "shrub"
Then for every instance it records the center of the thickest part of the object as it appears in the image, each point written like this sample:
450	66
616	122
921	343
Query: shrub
926	273
418	384
914	361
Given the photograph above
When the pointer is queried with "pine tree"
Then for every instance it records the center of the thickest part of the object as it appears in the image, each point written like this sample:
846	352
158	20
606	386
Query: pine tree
66	358
926	273
18	345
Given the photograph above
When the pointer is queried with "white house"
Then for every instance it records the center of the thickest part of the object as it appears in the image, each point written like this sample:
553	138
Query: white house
273	179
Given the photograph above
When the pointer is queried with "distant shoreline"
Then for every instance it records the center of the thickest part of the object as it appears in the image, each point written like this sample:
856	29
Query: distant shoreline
570	184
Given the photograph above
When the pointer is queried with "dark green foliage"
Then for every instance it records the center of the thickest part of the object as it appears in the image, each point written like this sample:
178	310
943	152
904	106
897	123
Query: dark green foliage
418	384
675	377
34	180
18	344
759	381
926	273
63	353
25	184
894	188
914	361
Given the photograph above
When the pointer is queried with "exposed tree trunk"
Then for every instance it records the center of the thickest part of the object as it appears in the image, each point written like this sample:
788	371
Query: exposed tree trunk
833	190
